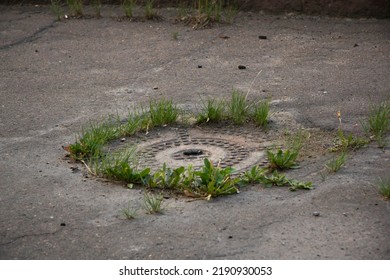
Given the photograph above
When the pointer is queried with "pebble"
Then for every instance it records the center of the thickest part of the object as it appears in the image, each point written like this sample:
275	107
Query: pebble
241	67
316	214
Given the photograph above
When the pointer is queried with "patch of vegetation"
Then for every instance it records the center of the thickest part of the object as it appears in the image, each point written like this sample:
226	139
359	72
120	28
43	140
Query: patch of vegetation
128	7
90	142
212	111
238	110
335	164
215	181
162	112
175	35
152	203
75	7
129	212
384	187
210	181
378	123
350	142
238	107
259	175
55	7
261	113
282	159
150	12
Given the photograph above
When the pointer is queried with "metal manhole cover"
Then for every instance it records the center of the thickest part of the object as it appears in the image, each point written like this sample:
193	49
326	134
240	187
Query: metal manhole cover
237	147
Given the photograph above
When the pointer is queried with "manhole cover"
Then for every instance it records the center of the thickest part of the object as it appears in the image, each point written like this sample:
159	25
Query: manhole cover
237	147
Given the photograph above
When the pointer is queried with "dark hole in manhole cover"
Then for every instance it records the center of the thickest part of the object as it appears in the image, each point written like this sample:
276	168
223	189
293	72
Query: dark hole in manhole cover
192	152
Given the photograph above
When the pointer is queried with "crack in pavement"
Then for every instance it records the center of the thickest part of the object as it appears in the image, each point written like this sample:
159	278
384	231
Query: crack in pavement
29	235
29	38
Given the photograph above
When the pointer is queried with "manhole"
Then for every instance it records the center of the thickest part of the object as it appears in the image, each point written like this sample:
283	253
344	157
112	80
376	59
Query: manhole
238	147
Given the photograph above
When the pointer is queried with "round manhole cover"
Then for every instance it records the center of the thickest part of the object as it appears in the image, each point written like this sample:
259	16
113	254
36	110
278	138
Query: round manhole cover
226	145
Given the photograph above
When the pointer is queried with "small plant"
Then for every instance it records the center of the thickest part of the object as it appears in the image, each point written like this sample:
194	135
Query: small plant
92	139
175	35
384	187
350	142
231	12
152	203
119	166
238	107
166	178
150	12
129	212
260	113
282	159
128	7
378	123
212	111
56	8
336	163
254	175
215	181
162	112
75	7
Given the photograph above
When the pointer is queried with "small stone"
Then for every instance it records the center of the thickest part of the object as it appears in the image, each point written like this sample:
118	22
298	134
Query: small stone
263	37
200	66
356	45
316	214
155	87
62	224
123	139
241	67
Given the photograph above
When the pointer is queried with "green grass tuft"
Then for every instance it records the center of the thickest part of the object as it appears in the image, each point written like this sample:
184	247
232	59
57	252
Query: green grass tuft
384	187
378	123
335	164
153	203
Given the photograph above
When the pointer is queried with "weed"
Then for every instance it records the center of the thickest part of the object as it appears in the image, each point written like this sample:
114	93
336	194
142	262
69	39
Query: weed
162	112
93	138
238	107
295	185
119	166
133	124
254	175
350	142
282	159
175	35
215	181
260	113
150	12
129	212
128	7
231	12
212	111
384	187
56	8
75	7
336	163
152	203
378	123
166	178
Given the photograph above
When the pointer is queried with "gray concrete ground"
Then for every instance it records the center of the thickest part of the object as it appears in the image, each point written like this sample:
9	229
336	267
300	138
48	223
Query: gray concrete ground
56	76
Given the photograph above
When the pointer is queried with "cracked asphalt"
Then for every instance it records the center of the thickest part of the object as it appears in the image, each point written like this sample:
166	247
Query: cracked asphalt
57	76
